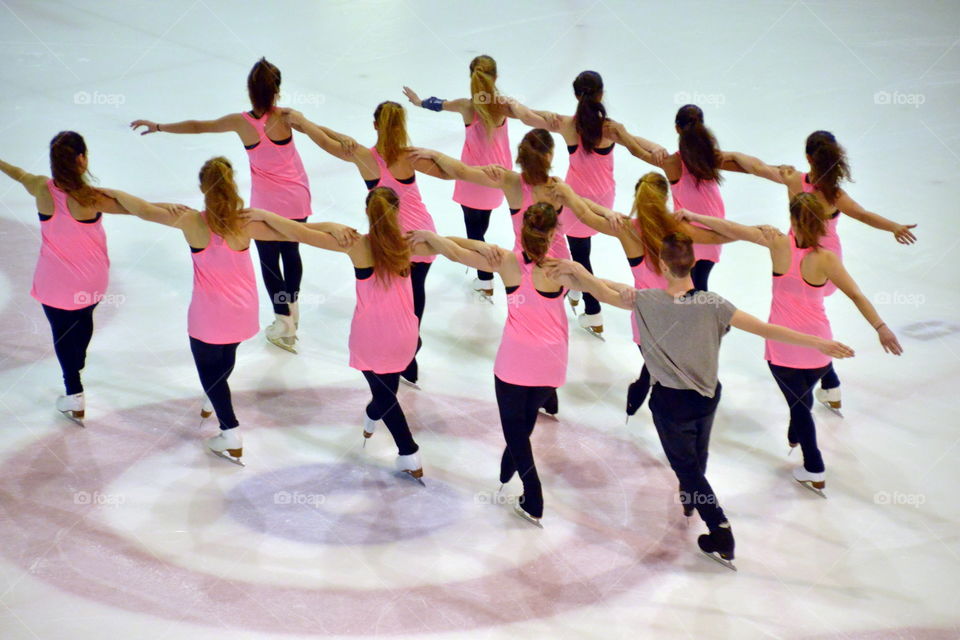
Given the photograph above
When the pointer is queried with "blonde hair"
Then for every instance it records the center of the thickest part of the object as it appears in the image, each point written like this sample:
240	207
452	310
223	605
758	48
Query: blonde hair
807	220
391	251
652	220
392	137
483	92
221	199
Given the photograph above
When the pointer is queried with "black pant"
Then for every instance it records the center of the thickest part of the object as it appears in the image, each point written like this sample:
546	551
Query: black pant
385	406
797	387
518	415
72	331
638	389
580	252
830	379
418	278
701	274
214	365
283	285
477	221
684	419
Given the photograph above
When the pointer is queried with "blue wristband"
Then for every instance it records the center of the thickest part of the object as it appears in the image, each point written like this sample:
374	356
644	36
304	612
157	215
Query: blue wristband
433	103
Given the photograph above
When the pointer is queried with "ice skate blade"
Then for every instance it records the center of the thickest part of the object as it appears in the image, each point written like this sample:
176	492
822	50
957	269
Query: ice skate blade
416	474
715	556
523	515
75	417
205	414
812	486
233	455
595	333
412	385
792	448
280	342
834	410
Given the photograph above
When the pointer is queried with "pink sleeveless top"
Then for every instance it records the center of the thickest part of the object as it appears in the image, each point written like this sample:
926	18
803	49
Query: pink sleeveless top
533	350
590	175
644	278
383	333
703	199
798	306
558	249
278	180
830	240
480	150
413	213
224	308
73	267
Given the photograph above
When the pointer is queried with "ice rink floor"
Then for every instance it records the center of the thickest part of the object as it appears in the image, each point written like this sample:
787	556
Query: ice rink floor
129	529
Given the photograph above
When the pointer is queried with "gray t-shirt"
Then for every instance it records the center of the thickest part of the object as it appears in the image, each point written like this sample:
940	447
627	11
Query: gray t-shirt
680	337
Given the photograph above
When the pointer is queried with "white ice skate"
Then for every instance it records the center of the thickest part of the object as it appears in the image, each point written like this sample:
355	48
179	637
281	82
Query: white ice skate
369	427
816	482
483	289
830	398
520	512
73	407
207	410
573	297
295	314
228	445
592	323
283	333
411	465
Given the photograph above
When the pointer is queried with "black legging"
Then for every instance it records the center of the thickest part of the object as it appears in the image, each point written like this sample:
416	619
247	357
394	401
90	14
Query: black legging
477	221
638	389
72	331
418	278
518	407
214	365
830	379
580	252
797	387
283	285
385	406
701	274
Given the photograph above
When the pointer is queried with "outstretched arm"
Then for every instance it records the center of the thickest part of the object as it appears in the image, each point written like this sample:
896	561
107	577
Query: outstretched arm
169	215
649	152
298	232
472	253
231	122
532	118
589	212
460	105
34	184
454	169
752	165
574	276
752	324
336	144
728	228
902	232
839	276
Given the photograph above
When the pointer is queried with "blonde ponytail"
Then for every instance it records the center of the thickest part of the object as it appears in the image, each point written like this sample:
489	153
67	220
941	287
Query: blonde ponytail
221	198
392	137
391	252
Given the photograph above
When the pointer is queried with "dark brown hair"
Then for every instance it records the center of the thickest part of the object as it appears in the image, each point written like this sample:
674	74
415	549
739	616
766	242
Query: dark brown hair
263	85
539	220
392	137
677	254
65	151
221	199
806	217
591	114
698	148
652	220
828	164
532	156
391	251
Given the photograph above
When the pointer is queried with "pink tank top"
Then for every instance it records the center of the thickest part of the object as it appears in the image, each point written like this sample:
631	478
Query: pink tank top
798	306
73	267
644	278
533	350
383	333
413	213
831	239
278	180
558	249
480	150
703	199
590	175
224	308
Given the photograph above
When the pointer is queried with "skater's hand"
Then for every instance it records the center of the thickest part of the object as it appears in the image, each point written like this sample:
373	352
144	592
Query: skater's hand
174	208
420	236
254	215
888	340
770	233
344	235
565	272
494	171
787	172
613	130
835	349
148	126
660	154
682	215
419	153
560	190
491	253
628	295
554	121
412	96
904	235
349	144
292	117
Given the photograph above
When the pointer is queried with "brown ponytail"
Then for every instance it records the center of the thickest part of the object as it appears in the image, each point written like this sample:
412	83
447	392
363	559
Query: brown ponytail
652	219
391	252
591	114
65	151
532	156
806	218
263	85
221	199
828	164
392	137
698	148
539	222
483	92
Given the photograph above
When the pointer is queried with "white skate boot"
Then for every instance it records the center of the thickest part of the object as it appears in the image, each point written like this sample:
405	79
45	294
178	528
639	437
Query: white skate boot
72	407
207	410
295	314
227	445
573	297
816	482
830	398
593	324
369	427
283	333
483	289
411	465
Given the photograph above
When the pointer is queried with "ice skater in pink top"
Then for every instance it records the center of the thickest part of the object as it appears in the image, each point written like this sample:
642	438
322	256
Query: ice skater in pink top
801	269
388	163
694	175
590	175
73	268
278	183
384	330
